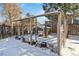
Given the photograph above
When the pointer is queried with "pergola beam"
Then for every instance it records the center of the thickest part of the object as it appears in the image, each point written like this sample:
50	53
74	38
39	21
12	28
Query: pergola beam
45	14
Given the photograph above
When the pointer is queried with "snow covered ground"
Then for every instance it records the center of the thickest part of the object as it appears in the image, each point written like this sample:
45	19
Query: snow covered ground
72	46
12	47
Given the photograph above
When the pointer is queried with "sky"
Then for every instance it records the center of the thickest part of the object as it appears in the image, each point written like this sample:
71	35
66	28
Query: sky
33	9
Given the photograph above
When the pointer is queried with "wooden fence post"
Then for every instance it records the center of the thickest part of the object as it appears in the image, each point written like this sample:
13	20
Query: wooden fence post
36	29
59	34
30	30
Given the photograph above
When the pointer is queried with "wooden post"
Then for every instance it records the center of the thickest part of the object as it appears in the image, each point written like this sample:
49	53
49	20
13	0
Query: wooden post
51	25
45	30
59	34
22	28
65	30
30	30
18	28
36	30
12	25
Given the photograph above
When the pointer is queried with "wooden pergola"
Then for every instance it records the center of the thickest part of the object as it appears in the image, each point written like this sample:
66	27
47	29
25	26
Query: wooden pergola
60	32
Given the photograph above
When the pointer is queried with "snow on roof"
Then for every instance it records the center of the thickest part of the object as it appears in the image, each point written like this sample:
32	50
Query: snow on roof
69	13
77	18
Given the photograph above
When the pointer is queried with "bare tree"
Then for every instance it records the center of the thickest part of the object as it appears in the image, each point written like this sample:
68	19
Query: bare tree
10	11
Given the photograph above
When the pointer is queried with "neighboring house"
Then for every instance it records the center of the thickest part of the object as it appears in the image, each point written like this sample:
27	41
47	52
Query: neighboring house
74	28
76	21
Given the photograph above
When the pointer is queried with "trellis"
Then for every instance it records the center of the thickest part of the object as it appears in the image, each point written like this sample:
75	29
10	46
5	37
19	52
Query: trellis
60	33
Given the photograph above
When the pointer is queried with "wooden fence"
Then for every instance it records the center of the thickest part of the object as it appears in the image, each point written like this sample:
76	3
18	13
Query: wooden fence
73	29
